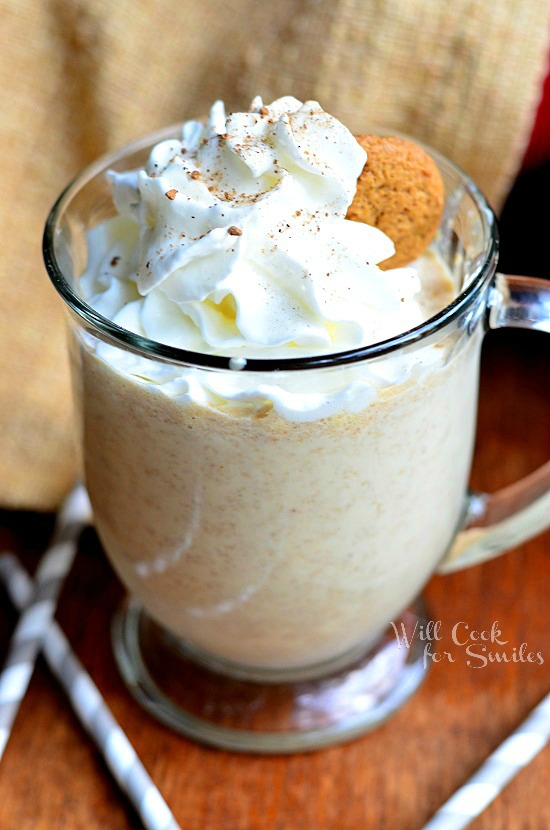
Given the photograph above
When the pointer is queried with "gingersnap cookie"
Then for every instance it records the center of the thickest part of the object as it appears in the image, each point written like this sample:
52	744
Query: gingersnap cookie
400	191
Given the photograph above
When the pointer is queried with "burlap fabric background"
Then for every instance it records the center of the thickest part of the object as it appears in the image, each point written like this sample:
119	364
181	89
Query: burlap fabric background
79	78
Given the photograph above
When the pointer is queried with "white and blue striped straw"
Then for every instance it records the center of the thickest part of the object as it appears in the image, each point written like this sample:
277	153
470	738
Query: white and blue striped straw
514	753
92	710
35	620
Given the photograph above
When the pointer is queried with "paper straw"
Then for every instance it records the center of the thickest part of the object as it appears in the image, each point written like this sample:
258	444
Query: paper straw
469	801
33	623
92	711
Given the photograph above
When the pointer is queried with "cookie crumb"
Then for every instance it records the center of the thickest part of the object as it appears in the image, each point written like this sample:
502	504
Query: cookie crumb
234	231
171	194
264	410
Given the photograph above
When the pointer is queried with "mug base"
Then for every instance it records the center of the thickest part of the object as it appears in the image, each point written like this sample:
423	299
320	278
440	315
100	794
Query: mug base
247	710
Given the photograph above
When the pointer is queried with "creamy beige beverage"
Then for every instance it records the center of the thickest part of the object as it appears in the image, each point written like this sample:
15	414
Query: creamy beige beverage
275	519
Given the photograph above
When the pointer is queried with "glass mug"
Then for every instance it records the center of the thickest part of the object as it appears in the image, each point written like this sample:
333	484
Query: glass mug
265	558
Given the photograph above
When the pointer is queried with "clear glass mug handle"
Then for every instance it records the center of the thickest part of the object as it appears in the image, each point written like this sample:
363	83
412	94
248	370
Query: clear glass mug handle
498	521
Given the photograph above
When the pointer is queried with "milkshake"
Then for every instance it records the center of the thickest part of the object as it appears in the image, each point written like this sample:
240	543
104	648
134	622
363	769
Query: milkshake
270	515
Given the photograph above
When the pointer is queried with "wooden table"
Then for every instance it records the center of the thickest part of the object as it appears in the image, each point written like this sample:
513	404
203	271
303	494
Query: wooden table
52	778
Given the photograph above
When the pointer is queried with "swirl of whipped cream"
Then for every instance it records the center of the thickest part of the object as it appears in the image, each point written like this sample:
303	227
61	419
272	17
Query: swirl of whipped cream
234	240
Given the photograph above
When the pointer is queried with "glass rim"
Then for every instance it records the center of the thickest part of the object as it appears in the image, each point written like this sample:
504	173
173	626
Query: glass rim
172	354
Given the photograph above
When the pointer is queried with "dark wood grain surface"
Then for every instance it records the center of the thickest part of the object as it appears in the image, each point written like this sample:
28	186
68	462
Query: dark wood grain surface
51	776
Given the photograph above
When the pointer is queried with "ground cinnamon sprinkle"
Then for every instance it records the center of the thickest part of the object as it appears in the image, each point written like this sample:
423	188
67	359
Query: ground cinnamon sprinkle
195	174
264	111
171	194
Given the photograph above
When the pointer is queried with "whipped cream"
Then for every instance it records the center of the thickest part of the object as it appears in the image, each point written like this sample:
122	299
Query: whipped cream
233	240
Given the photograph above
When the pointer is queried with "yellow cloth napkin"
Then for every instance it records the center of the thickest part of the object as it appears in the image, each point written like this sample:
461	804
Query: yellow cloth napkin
79	78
